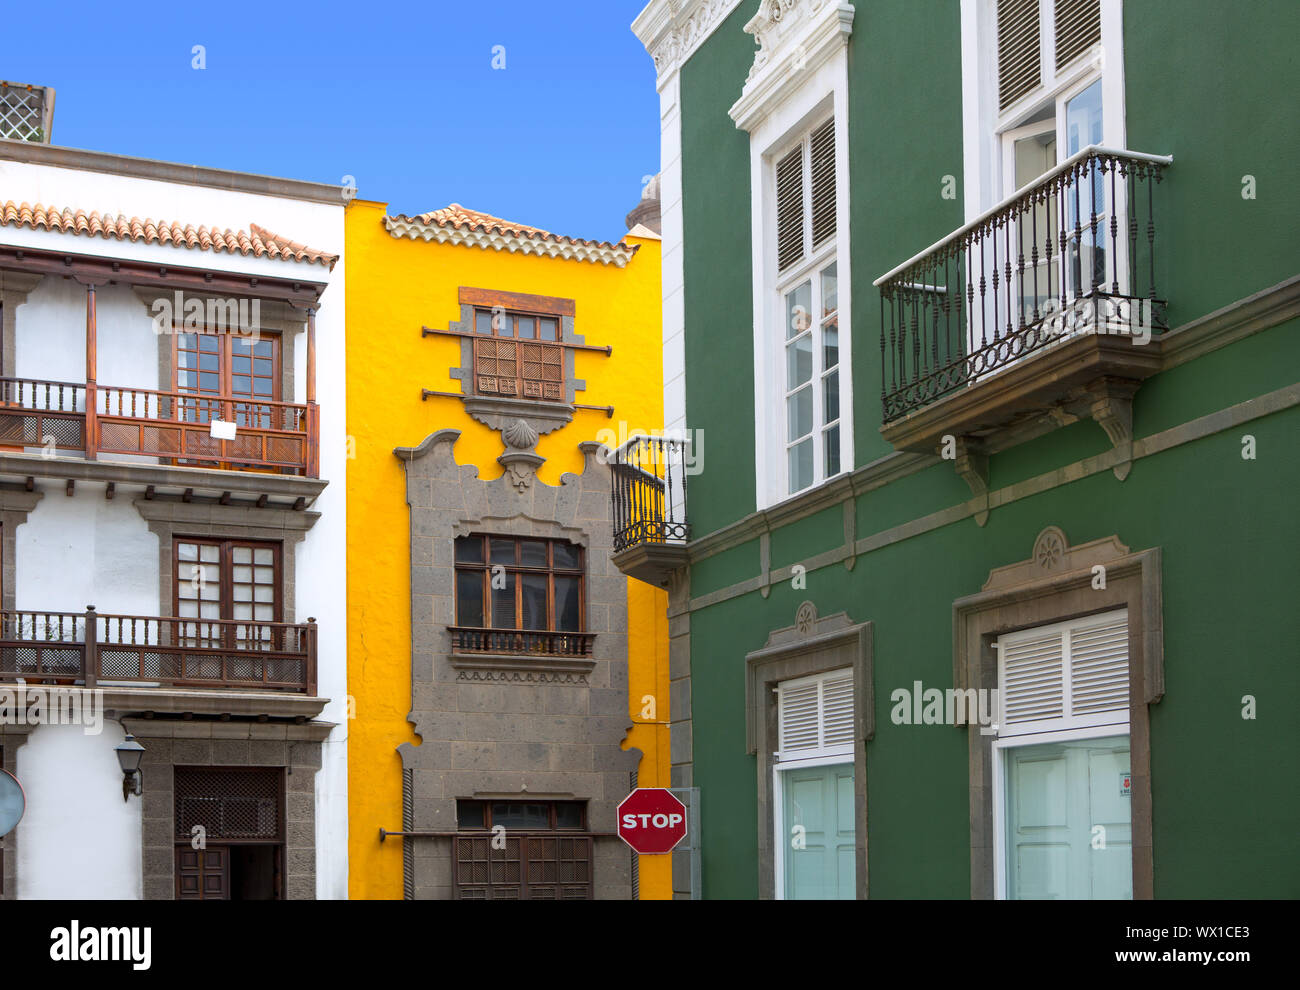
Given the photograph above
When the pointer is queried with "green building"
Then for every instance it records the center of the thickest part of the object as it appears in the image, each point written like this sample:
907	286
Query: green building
980	343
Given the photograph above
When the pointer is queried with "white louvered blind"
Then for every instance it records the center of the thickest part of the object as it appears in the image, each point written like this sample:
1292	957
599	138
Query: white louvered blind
1068	675
1078	28
1019	46
822	157
789	209
815	716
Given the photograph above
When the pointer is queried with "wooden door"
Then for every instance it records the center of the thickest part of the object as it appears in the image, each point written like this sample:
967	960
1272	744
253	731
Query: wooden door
202	874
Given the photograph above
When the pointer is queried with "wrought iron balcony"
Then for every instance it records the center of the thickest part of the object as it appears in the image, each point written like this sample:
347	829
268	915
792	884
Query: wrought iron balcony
94	650
175	426
1070	258
649	507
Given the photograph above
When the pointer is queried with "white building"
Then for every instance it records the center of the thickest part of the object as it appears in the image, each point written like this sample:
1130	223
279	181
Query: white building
172	456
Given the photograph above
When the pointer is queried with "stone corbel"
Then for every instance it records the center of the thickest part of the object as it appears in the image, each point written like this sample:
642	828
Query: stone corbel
1112	408
972	465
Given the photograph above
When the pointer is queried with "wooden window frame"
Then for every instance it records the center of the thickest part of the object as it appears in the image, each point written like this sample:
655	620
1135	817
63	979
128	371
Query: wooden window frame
551	807
226	600
520	383
519	569
225	372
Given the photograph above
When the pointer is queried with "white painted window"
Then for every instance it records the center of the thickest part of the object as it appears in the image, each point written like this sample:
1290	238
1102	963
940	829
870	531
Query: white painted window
808	290
1042	79
812	787
1061	778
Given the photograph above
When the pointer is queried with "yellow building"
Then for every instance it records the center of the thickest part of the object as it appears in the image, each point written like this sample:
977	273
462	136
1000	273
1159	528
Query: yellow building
508	684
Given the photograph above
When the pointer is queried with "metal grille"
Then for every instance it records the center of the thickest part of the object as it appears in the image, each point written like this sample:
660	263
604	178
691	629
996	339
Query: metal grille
25	112
1019	66
789	209
823	183
229	804
1078	28
535	867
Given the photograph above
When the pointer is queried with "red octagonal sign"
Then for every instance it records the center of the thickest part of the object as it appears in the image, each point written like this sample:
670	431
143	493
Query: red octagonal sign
651	820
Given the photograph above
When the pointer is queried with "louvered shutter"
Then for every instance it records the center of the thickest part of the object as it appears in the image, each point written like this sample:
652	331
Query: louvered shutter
822	158
1068	675
1019	66
815	716
789	209
1078	28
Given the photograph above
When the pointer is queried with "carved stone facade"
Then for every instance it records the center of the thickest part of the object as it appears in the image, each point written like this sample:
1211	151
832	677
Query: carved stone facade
511	727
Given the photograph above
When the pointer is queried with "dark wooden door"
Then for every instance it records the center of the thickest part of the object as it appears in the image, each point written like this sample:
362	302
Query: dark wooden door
202	874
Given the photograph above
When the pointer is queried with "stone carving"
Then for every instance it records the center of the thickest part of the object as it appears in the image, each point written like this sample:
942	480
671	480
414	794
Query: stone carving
682	38
805	618
1049	548
519	435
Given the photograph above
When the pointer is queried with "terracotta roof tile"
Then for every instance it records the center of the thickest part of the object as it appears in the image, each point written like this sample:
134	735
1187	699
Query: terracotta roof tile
474	226
257	241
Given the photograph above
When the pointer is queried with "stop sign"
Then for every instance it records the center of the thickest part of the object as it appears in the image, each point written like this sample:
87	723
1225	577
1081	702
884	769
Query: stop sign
651	820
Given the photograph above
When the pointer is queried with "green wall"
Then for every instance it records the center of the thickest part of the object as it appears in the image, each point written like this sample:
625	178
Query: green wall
1226	803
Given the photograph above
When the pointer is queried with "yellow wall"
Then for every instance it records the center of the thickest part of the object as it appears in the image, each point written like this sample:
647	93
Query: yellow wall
394	288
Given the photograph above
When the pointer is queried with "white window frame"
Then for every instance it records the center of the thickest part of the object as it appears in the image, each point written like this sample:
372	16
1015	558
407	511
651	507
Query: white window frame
821	93
1064	728
985	127
823	756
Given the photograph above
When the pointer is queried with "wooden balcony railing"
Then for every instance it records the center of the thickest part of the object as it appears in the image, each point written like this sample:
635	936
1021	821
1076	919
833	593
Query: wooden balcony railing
97	650
533	642
176	426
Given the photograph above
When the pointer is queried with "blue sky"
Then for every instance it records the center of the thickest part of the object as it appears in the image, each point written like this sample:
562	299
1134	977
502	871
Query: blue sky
403	96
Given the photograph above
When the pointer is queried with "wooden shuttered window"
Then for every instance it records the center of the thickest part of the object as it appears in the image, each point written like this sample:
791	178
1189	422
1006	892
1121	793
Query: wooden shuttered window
822	160
1063	676
805	197
1019	67
815	716
789	209
1078	28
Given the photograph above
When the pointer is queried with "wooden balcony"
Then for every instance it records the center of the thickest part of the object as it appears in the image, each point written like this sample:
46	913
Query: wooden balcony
526	642
133	651
280	437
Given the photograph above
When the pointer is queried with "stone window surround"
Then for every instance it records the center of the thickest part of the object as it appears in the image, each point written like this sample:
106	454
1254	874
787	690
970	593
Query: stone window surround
11	738
172	518
1056	584
810	646
297	749
14	288
15	505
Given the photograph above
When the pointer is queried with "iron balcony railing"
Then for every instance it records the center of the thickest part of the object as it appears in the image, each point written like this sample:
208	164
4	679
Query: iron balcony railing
1072	253
177	426
98	650
649	492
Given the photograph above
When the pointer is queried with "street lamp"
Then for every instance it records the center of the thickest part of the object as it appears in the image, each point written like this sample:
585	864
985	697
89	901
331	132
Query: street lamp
128	756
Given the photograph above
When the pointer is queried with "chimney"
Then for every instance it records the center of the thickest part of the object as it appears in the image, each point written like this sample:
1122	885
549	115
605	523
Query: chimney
26	112
647	211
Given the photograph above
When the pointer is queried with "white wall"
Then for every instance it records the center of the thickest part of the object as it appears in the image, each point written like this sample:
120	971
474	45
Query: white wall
78	838
86	550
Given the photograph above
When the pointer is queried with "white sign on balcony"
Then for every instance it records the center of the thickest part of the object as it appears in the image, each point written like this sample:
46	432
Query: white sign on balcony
222	430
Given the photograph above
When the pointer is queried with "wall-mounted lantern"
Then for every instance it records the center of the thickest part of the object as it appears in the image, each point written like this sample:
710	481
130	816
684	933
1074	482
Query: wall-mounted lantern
128	756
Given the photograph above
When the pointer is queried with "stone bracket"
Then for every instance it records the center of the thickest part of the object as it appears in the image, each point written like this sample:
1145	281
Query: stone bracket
1112	408
973	466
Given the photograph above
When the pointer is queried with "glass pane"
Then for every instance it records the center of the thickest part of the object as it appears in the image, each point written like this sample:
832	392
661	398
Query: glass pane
534	602
263	555
1035	155
469	549
187	551
527	328
504	323
532	553
568	555
208	362
483	321
832	451
521	815
469	598
830	346
798	362
830	289
548	329
503	601
568	814
1056	795
798	310
831	397
1083	119
503	551
800	414
819	803
568	604
469	814
801	466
